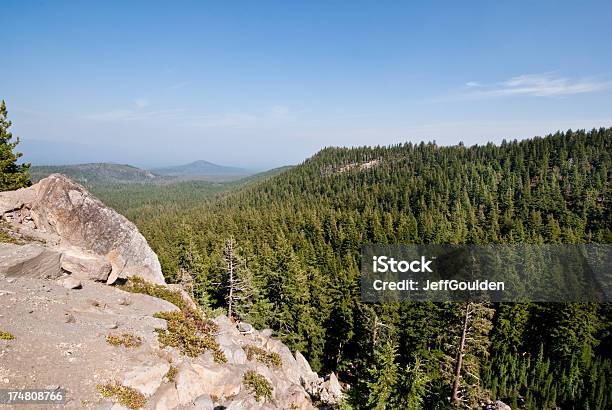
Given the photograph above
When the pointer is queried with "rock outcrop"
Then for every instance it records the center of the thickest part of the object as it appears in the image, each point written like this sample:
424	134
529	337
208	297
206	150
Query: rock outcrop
31	260
74	330
63	214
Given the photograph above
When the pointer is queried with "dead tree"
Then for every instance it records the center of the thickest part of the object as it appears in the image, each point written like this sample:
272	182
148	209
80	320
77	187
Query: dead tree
473	343
238	280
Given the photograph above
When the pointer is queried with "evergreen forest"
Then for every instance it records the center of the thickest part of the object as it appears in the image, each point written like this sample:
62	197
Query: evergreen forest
294	240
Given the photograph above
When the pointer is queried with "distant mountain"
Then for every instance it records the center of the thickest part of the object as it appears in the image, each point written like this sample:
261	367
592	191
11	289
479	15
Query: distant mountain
97	173
202	169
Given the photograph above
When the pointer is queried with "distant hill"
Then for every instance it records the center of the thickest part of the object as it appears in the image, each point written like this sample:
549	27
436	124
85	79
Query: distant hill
97	173
202	169
261	176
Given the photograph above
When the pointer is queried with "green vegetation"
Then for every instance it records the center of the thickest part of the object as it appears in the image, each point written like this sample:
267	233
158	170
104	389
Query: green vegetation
258	385
125	339
6	238
126	396
97	173
12	174
171	374
268	358
187	336
187	329
136	284
6	335
299	234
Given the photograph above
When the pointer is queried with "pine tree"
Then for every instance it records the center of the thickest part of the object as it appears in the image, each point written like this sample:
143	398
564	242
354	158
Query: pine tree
384	376
12	174
412	387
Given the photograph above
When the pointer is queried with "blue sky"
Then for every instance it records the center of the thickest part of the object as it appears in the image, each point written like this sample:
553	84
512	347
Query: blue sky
262	84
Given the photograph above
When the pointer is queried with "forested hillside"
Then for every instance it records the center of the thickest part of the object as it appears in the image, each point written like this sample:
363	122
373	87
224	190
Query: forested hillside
296	242
205	170
97	173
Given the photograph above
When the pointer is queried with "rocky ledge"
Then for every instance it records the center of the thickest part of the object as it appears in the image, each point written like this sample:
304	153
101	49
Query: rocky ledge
67	323
66	218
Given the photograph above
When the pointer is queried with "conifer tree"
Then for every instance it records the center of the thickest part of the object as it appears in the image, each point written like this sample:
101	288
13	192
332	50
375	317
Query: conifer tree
12	174
384	377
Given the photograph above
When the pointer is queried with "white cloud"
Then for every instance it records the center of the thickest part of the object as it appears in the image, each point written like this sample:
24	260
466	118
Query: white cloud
270	117
141	102
532	85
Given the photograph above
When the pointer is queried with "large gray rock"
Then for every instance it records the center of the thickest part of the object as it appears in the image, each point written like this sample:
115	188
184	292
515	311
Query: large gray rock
70	283
331	391
29	260
219	380
498	405
86	266
165	398
203	402
58	206
326	391
188	385
146	379
302	363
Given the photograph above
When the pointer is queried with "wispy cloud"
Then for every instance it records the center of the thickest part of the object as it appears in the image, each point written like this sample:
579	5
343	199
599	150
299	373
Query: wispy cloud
135	115
179	85
141	102
275	115
531	85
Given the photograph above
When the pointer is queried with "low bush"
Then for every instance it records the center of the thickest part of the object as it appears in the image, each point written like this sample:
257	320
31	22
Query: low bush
171	374
268	358
6	335
185	334
125	339
136	284
258	385
188	330
126	396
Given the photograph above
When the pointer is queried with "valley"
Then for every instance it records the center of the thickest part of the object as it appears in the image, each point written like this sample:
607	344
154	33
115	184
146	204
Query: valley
299	235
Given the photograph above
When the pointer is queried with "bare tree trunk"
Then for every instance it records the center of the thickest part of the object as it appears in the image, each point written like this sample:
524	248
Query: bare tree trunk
230	269
460	353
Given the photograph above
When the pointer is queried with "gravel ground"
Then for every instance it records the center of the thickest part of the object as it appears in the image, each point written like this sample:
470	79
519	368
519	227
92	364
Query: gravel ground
60	336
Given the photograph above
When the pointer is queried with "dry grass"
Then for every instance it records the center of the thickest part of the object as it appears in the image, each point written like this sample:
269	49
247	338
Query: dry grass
6	335
268	358
125	339
126	396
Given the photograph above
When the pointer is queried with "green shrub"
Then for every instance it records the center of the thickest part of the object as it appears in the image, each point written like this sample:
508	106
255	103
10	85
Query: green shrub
258	385
268	358
125	339
6	335
171	374
187	330
187	335
136	284
126	396
6	238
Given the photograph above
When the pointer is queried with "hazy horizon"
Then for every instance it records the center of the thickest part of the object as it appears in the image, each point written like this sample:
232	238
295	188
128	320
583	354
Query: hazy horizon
261	85
36	152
